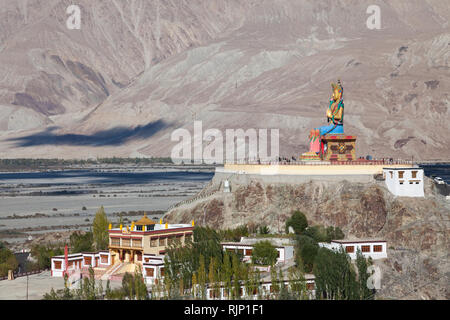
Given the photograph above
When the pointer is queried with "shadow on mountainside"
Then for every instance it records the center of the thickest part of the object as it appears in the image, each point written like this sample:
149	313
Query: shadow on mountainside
110	137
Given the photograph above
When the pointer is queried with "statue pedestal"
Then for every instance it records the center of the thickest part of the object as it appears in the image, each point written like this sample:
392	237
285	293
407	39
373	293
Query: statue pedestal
338	147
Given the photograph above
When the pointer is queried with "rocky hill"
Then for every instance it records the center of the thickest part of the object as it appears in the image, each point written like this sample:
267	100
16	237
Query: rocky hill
137	70
416	229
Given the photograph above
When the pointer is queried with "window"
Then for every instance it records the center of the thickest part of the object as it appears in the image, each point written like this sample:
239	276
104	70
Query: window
414	174
138	228
378	248
137	243
240	251
149	272
365	248
57	264
213	293
401	182
115	241
87	261
349	249
161	272
162	242
392	175
400	174
310	286
248	252
126	242
104	259
188	238
153	242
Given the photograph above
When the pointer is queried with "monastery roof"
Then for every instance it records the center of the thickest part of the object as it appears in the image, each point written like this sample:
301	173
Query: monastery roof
144	221
358	240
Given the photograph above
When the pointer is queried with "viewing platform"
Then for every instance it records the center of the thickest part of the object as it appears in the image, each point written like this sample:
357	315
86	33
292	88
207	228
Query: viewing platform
310	168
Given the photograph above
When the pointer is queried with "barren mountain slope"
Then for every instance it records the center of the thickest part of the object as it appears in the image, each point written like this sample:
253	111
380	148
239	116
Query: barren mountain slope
136	71
416	229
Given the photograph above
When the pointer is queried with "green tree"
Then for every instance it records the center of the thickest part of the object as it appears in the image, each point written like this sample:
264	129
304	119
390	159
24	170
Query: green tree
8	260
334	234
81	242
235	261
263	230
297	221
100	230
264	253
227	274
202	278
318	233
306	252
335	276
298	284
43	254
362	266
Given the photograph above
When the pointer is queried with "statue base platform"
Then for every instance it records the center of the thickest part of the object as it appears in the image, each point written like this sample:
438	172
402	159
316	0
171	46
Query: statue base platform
338	147
310	156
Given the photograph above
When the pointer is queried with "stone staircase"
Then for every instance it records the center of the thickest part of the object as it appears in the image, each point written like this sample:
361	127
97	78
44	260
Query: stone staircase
107	275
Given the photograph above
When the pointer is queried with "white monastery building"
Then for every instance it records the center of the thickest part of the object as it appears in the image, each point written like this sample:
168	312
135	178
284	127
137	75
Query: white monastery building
245	247
374	248
404	182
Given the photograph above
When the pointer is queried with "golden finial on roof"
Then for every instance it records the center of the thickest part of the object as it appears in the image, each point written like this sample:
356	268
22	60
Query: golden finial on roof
144	221
167	225
160	221
121	227
110	226
192	222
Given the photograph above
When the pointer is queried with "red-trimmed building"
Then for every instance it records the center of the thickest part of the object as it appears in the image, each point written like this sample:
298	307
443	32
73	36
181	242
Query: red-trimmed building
142	244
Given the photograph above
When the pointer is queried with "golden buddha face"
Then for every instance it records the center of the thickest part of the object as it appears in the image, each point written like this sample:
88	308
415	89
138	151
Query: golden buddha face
337	94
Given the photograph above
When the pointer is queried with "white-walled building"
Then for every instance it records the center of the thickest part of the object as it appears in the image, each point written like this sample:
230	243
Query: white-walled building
374	248
245	248
404	182
78	261
153	268
263	290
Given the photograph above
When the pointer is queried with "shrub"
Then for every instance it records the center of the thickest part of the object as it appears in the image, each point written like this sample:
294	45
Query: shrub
264	253
297	221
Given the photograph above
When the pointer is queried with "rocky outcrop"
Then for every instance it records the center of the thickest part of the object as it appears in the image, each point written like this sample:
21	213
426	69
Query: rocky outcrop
416	229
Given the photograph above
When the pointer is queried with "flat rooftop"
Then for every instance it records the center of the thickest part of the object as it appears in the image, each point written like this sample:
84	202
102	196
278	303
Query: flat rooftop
358	240
279	242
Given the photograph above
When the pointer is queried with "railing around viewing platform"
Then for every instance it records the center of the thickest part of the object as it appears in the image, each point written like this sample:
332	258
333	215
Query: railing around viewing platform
324	162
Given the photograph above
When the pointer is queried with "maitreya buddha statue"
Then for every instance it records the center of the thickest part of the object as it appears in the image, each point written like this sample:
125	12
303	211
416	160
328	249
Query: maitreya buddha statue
335	119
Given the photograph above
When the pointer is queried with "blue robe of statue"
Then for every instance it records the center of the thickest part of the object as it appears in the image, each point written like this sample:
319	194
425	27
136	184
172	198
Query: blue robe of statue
331	129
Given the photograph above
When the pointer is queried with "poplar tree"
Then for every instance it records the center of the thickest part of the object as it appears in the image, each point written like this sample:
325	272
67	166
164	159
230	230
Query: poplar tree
274	281
362	265
227	274
236	277
100	230
202	277
194	290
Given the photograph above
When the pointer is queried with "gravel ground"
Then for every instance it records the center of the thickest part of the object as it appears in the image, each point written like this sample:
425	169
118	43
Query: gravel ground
38	285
